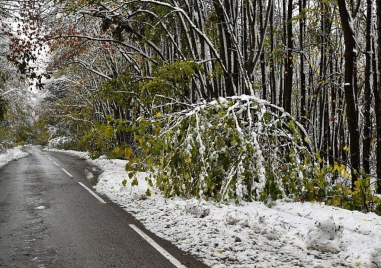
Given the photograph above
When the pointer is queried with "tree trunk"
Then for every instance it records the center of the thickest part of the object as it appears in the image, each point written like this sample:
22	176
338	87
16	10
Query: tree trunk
272	62
367	92
302	24
289	69
378	100
322	88
350	89
226	46
262	57
2	108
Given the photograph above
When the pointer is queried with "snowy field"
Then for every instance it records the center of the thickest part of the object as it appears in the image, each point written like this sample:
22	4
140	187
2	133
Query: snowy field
250	234
10	155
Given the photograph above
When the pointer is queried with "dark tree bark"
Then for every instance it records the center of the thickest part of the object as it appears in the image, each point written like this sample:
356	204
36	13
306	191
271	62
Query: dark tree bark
262	57
2	108
378	100
367	92
272	62
322	88
350	89
289	69
229	55
333	123
302	24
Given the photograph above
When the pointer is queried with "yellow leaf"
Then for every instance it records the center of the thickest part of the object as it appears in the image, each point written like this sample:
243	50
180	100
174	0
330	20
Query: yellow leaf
159	114
128	165
117	150
149	160
128	152
336	167
335	202
347	192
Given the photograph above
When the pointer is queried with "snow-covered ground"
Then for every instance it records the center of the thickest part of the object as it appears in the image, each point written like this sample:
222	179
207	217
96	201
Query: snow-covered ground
250	234
10	155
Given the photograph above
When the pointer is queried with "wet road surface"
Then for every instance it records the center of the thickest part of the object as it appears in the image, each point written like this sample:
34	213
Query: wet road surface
47	219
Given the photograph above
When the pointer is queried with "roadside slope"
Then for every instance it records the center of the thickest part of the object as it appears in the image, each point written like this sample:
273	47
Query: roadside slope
11	155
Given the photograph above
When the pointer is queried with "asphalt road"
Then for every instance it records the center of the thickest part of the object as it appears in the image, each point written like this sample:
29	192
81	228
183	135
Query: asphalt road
47	219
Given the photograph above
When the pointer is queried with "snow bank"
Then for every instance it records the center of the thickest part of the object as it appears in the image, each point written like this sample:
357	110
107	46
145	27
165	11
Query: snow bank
10	155
325	236
197	209
250	234
58	142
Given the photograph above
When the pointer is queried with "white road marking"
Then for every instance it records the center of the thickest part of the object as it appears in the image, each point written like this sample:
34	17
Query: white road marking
162	251
49	158
55	163
67	172
91	192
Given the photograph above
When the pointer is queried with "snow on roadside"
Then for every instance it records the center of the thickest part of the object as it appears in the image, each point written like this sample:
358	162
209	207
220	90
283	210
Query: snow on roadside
250	234
11	154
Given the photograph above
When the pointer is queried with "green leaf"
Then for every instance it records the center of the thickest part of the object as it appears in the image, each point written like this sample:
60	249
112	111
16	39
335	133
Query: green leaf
124	182
148	192
135	182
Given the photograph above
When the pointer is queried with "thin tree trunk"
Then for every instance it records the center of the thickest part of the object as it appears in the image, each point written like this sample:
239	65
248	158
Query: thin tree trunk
262	57
272	63
367	92
378	99
289	69
302	24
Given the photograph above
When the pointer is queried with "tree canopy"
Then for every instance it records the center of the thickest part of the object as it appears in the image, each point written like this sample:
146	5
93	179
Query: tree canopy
136	78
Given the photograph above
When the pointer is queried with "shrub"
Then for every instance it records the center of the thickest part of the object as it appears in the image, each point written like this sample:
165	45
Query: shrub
239	148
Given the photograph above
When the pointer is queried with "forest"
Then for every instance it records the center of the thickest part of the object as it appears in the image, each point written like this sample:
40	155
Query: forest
216	99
